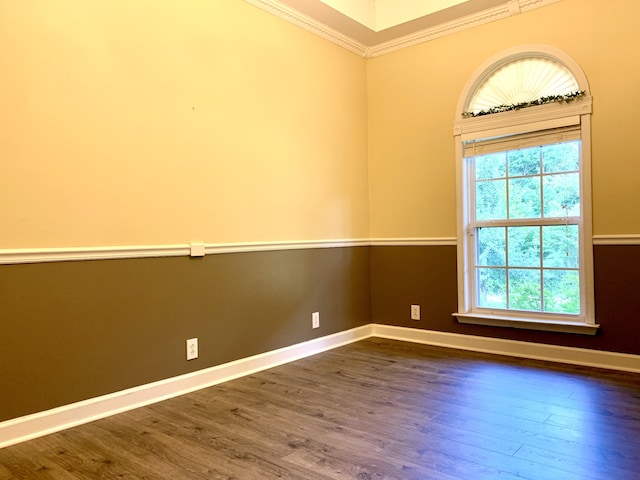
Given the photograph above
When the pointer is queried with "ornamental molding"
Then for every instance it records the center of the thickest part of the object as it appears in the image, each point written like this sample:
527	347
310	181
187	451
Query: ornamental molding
448	28
301	20
509	9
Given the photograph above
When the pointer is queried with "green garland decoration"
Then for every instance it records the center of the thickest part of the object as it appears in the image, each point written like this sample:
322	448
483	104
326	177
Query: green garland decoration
569	97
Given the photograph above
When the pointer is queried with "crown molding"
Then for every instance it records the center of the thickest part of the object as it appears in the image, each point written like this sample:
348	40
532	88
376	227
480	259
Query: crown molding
301	20
528	5
511	8
448	28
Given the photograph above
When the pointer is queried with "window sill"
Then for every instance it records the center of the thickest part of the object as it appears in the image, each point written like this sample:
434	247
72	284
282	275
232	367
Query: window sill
527	324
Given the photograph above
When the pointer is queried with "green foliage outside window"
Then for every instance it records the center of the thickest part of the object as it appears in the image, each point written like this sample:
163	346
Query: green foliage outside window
528	267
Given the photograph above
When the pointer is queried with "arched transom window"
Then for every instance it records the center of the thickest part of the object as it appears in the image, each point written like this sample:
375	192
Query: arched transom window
522	80
524	202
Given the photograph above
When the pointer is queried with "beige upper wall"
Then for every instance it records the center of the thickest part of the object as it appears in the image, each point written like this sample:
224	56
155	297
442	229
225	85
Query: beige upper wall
128	123
148	122
412	95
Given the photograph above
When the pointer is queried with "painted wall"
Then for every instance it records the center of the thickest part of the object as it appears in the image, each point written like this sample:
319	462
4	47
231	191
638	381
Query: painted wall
426	276
151	123
146	122
412	95
77	330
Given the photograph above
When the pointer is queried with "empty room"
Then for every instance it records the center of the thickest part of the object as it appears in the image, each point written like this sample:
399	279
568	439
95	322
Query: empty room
319	239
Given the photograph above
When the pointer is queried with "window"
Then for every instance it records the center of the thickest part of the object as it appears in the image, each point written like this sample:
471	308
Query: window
524	200
525	222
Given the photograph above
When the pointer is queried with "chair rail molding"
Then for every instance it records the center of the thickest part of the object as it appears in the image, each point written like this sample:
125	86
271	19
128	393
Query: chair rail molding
55	254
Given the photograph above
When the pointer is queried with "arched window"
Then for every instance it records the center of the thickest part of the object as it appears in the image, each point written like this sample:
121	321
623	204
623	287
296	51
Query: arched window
522	80
523	156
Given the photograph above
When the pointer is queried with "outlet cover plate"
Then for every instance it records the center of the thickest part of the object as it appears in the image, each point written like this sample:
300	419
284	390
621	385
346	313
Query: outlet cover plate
315	320
192	349
415	312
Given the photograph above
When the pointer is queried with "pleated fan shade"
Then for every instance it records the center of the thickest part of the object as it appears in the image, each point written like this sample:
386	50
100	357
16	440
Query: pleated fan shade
523	80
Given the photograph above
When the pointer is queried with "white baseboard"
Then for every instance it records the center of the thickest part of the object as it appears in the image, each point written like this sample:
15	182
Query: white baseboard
538	351
43	423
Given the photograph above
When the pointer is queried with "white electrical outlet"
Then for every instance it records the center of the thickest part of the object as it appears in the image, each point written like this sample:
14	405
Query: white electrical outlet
192	348
315	320
415	312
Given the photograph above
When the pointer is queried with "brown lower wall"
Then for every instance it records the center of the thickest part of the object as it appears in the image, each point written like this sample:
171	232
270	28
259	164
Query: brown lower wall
405	275
76	330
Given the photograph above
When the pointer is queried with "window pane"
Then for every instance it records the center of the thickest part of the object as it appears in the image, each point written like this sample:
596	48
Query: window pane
491	200
560	246
491	246
523	262
561	157
493	165
524	162
524	197
524	289
561	195
562	291
492	287
524	246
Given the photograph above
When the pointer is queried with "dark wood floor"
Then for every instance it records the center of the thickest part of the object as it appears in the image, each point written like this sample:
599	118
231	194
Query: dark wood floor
376	409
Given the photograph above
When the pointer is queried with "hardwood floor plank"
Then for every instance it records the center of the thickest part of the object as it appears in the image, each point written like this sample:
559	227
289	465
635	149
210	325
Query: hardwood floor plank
141	463
426	405
481	464
609	424
5	473
24	461
570	444
193	449
84	459
392	419
584	466
474	439
261	459
339	465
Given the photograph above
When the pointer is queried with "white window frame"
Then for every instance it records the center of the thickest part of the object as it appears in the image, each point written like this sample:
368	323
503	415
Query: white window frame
532	119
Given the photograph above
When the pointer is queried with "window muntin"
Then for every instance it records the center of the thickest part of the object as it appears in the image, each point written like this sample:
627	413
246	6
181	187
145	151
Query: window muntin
525	226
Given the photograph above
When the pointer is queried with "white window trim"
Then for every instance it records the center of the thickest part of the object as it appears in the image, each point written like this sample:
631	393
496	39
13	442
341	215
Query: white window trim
507	123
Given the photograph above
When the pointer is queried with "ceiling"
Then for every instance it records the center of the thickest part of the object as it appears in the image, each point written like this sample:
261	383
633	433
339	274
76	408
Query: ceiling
374	27
381	14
